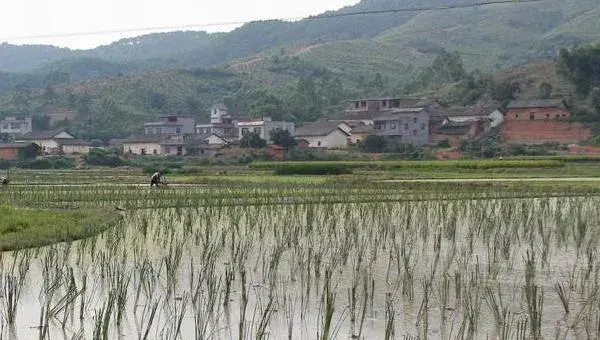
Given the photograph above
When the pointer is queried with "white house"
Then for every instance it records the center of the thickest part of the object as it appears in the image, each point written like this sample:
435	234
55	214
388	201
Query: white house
16	126
49	141
146	145
74	146
323	134
262	127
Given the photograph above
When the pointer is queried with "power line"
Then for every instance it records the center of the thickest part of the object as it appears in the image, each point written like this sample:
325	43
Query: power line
232	23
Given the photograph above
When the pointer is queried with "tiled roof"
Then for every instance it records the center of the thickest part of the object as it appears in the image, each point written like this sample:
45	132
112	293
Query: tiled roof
14	145
320	128
455	128
532	104
42	135
363	128
69	141
469	111
142	139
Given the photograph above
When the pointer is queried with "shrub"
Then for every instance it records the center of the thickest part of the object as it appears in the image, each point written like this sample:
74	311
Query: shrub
104	158
52	162
312	169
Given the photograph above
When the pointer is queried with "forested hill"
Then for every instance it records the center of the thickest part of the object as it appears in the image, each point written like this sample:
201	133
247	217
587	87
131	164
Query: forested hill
493	35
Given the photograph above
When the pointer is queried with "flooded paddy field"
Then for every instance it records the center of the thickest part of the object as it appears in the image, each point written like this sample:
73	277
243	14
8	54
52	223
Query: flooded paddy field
436	268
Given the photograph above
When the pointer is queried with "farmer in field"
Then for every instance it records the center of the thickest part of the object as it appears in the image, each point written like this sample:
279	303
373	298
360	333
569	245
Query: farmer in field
156	178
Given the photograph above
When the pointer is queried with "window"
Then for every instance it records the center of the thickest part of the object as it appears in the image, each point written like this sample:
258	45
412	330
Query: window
143	151
414	132
384	103
557	116
564	115
531	116
357	105
155	152
415	120
245	131
257	130
393	125
547	116
172	119
405	126
319	143
15	126
363	104
422	127
179	150
178	130
517	116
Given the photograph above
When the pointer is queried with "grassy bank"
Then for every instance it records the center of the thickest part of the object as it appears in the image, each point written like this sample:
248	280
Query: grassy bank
28	228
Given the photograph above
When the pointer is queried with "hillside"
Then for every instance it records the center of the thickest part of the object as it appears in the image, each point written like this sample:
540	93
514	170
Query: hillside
489	37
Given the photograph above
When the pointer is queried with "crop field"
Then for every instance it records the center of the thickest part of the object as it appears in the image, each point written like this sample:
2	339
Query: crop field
343	258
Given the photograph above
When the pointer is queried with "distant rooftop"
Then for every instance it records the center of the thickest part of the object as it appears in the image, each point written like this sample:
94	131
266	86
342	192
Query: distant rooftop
320	128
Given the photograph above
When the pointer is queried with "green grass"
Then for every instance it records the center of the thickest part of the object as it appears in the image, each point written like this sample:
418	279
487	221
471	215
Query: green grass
28	228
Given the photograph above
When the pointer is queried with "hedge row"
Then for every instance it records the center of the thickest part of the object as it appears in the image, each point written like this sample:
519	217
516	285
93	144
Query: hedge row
458	164
311	168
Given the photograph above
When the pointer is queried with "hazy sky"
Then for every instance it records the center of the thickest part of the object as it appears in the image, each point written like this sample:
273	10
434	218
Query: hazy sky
20	18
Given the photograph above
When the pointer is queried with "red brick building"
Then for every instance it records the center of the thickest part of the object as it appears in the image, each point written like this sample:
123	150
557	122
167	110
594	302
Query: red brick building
542	121
11	151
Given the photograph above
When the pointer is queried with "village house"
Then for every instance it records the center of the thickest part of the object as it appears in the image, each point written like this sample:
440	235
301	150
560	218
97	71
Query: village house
50	142
12	151
360	132
324	134
541	121
171	125
205	144
262	127
74	146
221	123
15	126
142	145
455	132
407	125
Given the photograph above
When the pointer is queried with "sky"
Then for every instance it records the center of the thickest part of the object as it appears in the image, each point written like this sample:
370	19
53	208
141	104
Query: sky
27	18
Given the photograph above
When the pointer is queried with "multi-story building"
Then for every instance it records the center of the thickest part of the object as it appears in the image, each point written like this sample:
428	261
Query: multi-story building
171	125
221	123
408	125
15	126
262	127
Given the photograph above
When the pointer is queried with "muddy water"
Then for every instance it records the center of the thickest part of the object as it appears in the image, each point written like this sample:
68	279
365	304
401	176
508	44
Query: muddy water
421	269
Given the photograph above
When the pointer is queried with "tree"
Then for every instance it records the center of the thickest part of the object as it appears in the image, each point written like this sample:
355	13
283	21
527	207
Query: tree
283	138
30	152
580	65
252	140
545	91
374	144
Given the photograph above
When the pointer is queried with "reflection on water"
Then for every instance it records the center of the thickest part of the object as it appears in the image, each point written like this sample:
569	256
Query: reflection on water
485	269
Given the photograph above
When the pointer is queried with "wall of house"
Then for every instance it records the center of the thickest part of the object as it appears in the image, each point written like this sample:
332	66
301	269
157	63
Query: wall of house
76	149
214	140
544	131
49	146
173	150
15	126
334	140
409	128
136	148
538	114
357	137
10	154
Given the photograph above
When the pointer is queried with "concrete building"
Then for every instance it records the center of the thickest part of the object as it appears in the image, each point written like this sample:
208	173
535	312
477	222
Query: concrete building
221	123
171	125
408	125
144	145
323	134
74	147
360	132
262	127
15	126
